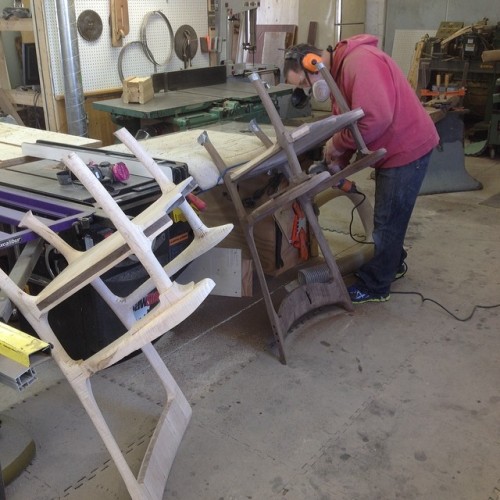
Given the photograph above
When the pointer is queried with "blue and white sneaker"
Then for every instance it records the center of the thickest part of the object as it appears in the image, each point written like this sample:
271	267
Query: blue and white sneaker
360	297
402	269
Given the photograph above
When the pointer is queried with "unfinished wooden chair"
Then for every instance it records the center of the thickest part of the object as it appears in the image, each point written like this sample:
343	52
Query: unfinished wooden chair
204	237
282	156
176	302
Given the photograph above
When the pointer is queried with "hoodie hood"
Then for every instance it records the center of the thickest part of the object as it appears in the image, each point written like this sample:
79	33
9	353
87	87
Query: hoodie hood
345	47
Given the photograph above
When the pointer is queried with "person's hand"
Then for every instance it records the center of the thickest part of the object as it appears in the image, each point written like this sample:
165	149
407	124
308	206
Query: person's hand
330	153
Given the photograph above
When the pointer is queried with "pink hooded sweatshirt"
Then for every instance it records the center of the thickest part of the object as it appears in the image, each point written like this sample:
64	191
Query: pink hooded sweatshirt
394	117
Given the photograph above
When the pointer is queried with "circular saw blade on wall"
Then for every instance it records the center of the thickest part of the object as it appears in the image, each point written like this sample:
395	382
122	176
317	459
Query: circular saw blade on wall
89	25
186	44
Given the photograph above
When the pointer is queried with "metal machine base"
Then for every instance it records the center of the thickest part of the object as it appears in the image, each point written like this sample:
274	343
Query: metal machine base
446	172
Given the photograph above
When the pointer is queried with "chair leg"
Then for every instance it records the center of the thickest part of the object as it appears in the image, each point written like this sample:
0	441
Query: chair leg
151	481
276	326
83	390
166	440
204	238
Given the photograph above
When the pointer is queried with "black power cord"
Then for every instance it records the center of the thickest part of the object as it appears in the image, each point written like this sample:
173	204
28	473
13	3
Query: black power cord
351	234
426	299
352	220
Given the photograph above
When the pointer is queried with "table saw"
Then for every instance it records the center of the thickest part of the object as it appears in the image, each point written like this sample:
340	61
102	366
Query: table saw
70	210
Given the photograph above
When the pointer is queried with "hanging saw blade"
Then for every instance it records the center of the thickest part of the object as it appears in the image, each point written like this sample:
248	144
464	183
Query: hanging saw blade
89	25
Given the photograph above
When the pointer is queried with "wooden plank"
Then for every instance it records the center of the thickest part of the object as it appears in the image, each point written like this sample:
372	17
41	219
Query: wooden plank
263	29
415	64
28	36
490	55
103	92
9	153
15	24
312	34
13	136
272	48
8	108
52	121
277	11
4	73
119	21
16	135
25	97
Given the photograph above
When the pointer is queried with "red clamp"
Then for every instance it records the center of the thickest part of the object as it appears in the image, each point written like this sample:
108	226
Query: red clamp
299	231
196	202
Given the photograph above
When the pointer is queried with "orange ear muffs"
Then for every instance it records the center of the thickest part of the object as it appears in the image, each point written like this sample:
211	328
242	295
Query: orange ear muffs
309	62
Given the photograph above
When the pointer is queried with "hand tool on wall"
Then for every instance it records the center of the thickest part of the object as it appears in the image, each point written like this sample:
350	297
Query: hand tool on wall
186	44
119	21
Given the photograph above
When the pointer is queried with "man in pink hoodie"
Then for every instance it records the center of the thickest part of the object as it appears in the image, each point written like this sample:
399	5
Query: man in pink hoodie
394	120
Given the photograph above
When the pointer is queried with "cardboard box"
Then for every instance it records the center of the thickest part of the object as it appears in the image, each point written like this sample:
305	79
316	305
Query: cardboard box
272	234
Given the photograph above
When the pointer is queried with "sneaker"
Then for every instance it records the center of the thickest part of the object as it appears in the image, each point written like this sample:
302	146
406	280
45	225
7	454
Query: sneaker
360	297
403	268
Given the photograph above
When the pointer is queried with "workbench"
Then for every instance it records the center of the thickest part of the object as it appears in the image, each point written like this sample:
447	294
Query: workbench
193	107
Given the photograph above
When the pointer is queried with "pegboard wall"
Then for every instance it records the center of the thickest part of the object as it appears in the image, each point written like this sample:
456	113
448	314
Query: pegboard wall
99	60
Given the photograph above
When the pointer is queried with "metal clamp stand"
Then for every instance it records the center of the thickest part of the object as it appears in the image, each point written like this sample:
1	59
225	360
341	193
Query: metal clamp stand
302	187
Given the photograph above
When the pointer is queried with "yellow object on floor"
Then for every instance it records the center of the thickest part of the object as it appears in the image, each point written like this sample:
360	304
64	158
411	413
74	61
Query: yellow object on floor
19	346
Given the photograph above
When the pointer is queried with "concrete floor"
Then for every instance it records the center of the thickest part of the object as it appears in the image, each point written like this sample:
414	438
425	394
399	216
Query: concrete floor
396	401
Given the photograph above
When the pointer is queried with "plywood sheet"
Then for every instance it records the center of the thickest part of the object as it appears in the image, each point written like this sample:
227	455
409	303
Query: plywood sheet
272	49
235	149
12	136
16	135
223	265
404	46
263	30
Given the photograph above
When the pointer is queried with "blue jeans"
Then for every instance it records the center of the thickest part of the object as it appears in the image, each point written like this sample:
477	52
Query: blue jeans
396	191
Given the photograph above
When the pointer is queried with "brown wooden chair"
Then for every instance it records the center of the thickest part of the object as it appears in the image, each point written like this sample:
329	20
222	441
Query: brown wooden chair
281	156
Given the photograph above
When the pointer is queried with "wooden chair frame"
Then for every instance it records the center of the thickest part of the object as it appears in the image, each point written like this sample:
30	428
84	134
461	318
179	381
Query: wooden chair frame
282	155
176	303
